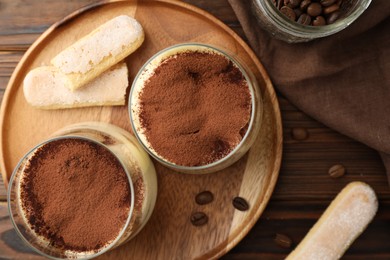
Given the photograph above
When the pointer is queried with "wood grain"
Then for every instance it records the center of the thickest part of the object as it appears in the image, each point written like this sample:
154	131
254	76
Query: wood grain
291	219
19	30
294	205
253	177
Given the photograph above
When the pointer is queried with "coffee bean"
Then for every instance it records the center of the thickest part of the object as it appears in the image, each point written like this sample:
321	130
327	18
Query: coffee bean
336	171
319	21
313	12
240	204
199	219
304	19
333	17
331	9
287	11
204	197
292	3
283	240
314	9
299	133
327	2
297	12
304	4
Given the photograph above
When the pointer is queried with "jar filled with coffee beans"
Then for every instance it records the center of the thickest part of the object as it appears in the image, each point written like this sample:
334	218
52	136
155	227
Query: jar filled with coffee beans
305	20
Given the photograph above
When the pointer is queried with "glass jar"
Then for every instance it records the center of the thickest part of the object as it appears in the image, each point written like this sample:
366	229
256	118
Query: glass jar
281	27
253	125
132	158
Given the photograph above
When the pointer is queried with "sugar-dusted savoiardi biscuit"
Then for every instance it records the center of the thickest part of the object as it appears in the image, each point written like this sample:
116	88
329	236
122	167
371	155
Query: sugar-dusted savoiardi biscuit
43	87
99	50
342	222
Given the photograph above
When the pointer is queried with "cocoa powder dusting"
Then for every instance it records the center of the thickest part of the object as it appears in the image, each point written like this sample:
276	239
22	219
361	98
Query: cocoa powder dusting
76	194
195	108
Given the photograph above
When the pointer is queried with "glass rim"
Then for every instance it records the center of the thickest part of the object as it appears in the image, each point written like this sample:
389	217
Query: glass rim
300	30
12	179
254	106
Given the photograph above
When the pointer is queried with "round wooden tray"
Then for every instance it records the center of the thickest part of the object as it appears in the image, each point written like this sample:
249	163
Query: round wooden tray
169	233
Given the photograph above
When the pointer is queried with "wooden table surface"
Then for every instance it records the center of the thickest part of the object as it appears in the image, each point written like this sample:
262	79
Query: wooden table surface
304	188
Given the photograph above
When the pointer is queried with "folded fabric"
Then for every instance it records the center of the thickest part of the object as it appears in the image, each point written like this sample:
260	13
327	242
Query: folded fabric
342	80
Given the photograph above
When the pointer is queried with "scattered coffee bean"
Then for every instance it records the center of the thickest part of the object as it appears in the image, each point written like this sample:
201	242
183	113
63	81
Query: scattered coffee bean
199	219
336	171
287	11
283	240
240	204
204	197
299	133
313	12
319	21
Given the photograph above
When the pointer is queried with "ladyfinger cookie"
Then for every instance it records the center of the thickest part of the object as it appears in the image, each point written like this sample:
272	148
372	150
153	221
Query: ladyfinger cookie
342	222
99	50
43	87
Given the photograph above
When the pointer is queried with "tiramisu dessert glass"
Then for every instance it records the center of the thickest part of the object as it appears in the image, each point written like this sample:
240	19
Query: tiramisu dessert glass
88	189
195	108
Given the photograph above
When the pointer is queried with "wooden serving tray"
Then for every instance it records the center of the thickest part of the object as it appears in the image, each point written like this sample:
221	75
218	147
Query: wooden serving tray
169	233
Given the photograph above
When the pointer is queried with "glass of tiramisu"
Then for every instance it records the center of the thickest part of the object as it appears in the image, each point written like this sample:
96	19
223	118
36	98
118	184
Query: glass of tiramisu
88	189
195	108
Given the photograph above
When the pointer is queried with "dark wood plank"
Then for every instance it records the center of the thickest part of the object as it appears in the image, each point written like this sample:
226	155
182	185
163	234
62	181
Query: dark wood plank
21	22
8	62
19	27
293	220
18	17
221	10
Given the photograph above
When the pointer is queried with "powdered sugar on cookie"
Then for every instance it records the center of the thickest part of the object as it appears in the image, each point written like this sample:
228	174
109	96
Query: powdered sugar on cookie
107	40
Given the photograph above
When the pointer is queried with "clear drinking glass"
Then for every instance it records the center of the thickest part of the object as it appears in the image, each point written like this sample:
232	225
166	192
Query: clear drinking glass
256	108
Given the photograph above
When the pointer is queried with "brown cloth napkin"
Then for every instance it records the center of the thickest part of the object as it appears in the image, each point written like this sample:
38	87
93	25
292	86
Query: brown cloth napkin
342	80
